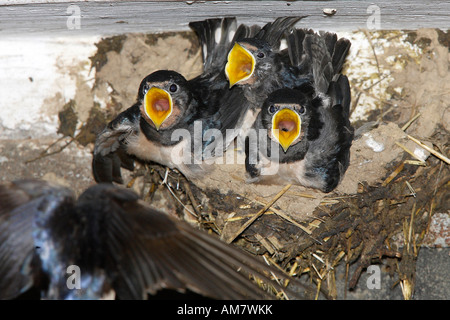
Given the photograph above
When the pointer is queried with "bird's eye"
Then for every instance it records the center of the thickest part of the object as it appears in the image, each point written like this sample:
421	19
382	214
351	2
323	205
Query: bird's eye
272	109
146	88
173	88
260	55
301	110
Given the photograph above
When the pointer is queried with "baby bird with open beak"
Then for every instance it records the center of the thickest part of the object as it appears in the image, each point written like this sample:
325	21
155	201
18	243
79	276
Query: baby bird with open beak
303	135
160	126
255	67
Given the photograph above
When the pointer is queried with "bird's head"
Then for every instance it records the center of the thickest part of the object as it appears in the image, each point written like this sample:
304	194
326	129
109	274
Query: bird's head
248	61
164	98
286	114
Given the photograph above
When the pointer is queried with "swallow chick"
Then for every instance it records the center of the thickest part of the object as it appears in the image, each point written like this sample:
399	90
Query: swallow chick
147	130
172	114
301	139
303	135
216	38
109	243
257	66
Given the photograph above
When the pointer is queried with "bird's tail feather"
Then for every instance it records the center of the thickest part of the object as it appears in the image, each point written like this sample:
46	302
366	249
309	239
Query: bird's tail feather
339	93
215	38
296	50
324	54
244	31
320	61
341	49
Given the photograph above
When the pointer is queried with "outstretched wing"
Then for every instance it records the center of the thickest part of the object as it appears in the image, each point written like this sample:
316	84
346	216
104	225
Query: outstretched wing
147	251
21	204
118	242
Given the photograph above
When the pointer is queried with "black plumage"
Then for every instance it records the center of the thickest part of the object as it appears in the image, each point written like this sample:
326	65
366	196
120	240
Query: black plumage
118	243
256	66
212	83
312	146
132	134
272	68
176	141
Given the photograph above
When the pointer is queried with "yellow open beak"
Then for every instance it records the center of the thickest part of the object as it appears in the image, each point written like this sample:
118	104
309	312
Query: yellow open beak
286	125
157	105
240	65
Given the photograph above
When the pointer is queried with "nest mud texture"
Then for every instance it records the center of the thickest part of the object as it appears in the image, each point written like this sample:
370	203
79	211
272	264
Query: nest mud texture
381	220
385	204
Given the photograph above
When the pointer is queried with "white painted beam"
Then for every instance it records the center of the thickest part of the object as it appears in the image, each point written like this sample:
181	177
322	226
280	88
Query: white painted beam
119	17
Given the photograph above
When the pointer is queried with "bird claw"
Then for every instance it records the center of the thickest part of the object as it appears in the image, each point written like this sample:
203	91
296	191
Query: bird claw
108	168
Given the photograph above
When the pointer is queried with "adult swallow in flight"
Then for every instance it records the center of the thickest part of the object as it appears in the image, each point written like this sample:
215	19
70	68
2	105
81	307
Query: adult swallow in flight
109	242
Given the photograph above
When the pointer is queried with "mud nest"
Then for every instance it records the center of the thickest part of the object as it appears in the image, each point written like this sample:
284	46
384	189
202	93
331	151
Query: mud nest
386	216
385	220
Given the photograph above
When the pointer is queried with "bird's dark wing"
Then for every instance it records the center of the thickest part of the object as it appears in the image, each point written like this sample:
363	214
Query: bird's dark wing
340	94
243	32
339	49
272	32
16	242
20	205
214	48
228	119
295	38
320	54
109	151
329	156
147	251
118	243
320	59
